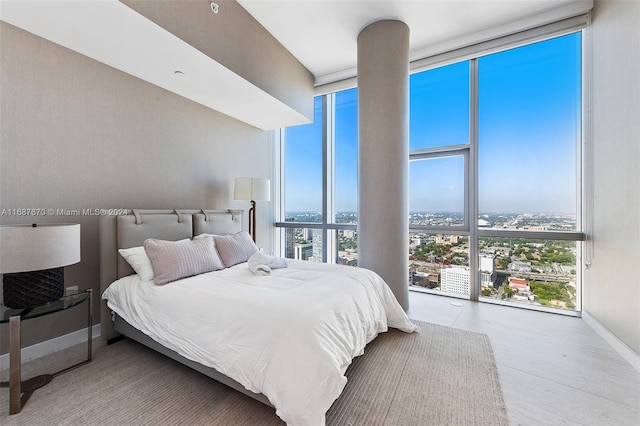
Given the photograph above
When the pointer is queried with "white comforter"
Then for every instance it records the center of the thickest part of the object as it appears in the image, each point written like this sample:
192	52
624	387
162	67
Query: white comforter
290	335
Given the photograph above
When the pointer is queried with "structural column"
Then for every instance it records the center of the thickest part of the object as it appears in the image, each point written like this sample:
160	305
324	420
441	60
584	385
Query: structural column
383	153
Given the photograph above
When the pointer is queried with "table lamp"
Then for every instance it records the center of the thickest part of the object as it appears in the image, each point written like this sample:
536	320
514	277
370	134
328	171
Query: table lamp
32	258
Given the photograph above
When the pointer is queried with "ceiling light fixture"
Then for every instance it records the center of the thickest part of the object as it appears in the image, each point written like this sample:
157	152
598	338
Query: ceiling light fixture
214	7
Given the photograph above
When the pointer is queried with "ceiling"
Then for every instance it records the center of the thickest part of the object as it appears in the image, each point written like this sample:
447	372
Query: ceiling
322	34
114	34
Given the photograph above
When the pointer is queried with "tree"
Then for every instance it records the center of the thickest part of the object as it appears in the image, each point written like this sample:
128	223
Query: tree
504	262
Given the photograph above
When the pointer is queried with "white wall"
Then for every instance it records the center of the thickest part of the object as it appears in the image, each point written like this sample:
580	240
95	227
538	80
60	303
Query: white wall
611	291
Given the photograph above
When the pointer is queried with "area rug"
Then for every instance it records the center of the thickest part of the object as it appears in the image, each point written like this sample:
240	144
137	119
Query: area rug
441	376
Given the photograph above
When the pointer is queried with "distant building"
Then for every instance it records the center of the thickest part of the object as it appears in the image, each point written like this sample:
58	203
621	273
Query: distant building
519	284
483	223
303	251
487	270
455	279
442	239
290	240
415	242
348	233
520	266
523	296
425	279
316	236
348	258
419	279
289	243
307	234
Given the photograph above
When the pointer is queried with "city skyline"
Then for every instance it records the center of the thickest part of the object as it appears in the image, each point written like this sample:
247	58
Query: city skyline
422	221
531	271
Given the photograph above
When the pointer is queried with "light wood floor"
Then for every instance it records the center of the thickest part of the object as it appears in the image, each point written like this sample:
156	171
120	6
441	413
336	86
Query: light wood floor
554	369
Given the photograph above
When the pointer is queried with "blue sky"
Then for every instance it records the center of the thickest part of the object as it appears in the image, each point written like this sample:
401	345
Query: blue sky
529	108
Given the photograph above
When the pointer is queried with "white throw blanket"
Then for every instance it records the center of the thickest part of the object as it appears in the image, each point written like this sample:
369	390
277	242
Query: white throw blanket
262	264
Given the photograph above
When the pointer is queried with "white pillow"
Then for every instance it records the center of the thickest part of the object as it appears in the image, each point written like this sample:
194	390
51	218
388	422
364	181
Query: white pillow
139	261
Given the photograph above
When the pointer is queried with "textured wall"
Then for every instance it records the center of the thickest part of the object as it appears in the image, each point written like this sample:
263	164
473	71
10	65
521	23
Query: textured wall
611	290
77	134
383	153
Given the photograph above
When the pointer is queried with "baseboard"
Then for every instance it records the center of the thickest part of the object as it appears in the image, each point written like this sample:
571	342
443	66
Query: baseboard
53	345
618	345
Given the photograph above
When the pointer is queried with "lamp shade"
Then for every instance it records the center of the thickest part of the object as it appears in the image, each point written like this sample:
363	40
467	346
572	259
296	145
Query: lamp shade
26	248
254	189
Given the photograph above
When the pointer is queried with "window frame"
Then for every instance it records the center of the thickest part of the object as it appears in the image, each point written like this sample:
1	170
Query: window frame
470	151
444	152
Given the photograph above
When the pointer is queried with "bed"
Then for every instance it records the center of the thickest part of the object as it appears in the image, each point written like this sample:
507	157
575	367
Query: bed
285	339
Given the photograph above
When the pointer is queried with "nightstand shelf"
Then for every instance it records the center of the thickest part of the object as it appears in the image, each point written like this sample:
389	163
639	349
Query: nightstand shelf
20	391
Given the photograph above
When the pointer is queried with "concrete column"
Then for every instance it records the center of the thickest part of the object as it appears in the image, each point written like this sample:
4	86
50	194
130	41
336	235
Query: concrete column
383	153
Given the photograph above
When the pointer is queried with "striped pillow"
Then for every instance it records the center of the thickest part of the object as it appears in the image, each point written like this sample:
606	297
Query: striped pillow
235	248
172	260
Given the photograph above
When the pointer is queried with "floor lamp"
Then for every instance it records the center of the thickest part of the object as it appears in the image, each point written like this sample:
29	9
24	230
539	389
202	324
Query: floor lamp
252	189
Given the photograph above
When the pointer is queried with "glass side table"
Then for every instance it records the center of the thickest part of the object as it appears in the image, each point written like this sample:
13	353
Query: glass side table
20	391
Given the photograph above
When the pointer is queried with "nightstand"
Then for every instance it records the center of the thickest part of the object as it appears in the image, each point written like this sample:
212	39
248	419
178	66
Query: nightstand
20	391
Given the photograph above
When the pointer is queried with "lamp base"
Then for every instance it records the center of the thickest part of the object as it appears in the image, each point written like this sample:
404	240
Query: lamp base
29	289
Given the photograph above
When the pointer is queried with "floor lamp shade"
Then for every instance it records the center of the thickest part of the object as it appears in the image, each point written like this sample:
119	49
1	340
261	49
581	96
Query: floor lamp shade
31	261
253	189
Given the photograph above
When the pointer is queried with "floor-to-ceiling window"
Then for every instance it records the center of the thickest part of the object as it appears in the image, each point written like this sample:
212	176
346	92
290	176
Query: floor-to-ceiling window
439	147
304	186
495	167
494	185
320	183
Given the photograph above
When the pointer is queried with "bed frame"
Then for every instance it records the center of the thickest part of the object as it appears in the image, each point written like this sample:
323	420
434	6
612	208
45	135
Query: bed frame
131	230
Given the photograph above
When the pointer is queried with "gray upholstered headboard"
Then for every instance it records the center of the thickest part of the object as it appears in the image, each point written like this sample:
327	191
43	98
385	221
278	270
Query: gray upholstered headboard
132	229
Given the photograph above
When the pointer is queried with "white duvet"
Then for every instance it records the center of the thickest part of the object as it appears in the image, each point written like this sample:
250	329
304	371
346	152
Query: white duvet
290	335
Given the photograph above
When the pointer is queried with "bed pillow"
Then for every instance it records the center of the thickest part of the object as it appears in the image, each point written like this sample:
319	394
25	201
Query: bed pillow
139	261
172	260
235	248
